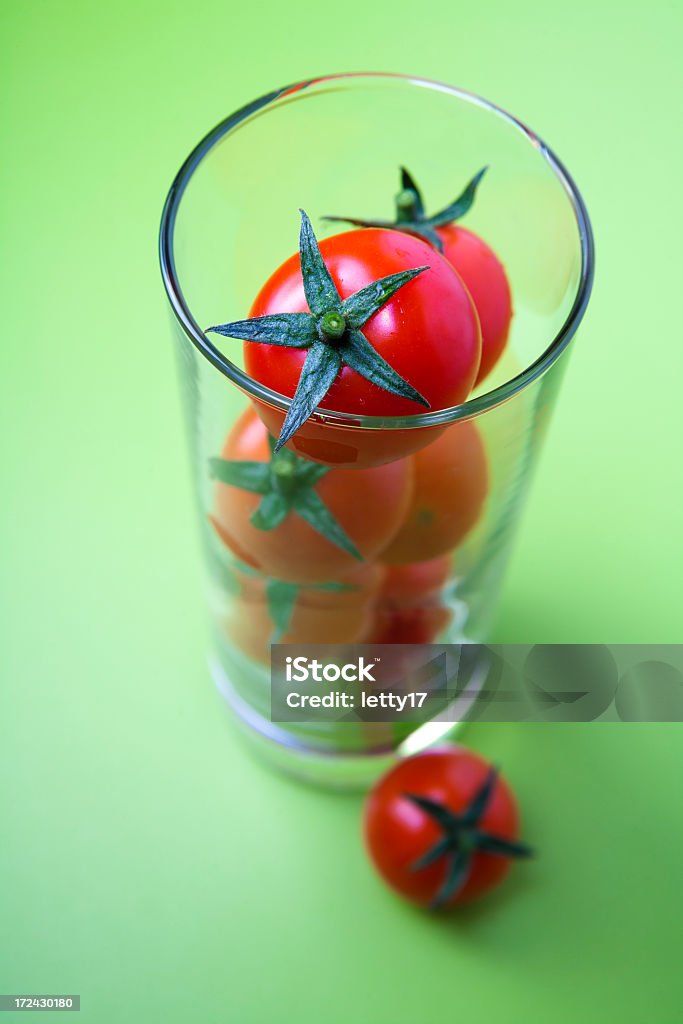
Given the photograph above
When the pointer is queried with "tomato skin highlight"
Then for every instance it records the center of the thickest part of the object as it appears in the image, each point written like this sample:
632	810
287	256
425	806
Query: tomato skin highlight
450	486
485	279
428	331
397	833
369	504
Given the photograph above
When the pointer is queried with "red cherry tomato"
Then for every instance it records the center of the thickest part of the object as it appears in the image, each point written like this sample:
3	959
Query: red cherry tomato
404	586
420	624
399	832
449	490
485	279
368	504
409	608
428	332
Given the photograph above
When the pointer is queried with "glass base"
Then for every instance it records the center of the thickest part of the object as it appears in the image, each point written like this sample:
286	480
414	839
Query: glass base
320	766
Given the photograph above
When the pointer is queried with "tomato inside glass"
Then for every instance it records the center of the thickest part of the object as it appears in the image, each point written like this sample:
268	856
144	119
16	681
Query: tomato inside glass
368	504
484	276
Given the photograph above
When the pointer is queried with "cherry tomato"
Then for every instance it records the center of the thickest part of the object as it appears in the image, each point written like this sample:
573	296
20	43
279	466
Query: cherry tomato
450	487
409	607
318	616
368	504
414	807
485	279
428	332
404	586
420	624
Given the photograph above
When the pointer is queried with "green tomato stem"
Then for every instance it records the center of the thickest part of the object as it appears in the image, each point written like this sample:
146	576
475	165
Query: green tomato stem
332	327
407	206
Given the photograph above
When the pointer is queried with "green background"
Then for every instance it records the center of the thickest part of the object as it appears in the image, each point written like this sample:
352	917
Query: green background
143	855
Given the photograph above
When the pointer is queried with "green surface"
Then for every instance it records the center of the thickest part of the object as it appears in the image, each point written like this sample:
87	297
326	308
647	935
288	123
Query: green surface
133	865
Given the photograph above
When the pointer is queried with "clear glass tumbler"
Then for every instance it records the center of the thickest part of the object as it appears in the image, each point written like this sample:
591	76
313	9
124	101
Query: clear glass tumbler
333	145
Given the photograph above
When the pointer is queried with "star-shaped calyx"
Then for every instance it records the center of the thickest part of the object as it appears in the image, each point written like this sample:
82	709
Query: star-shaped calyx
286	484
281	597
462	838
331	333
410	211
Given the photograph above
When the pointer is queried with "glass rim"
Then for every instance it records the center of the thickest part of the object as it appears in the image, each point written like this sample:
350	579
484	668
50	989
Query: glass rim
466	410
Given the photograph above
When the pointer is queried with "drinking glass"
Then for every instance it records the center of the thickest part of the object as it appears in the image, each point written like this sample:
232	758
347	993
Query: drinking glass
333	145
